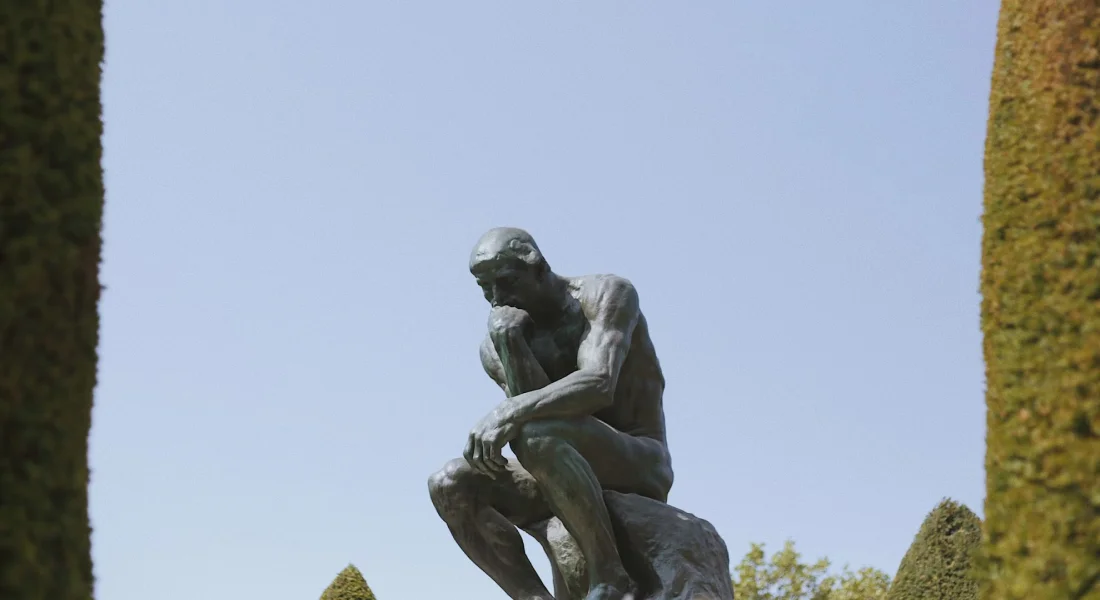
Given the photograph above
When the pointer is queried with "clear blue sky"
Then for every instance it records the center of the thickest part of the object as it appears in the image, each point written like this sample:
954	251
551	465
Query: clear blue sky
289	337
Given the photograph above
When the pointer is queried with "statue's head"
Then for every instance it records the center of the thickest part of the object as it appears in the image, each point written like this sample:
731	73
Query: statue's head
510	269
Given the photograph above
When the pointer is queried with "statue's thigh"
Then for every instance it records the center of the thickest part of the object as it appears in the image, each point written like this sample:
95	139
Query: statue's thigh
516	495
621	462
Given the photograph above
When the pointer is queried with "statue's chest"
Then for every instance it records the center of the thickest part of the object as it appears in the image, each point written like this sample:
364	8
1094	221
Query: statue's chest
556	350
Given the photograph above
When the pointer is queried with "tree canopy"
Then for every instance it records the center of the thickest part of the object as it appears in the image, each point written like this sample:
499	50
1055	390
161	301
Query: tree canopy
785	576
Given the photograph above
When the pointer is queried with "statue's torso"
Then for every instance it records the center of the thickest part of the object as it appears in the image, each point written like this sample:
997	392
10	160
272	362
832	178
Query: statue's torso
638	406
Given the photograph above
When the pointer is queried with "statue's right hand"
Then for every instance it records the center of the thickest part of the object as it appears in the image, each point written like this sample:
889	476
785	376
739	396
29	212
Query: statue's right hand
506	320
485	442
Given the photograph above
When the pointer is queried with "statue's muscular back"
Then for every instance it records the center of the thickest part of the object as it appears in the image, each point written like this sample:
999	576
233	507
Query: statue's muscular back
637	409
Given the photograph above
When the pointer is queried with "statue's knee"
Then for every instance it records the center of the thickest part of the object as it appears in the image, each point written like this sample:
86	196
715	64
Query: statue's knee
448	487
539	443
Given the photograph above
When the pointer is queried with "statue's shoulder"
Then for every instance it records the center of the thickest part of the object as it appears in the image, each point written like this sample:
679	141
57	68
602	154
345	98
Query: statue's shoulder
600	283
603	291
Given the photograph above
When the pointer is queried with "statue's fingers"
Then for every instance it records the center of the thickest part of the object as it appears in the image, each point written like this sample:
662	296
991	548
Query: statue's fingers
478	462
474	451
468	451
496	458
489	471
488	455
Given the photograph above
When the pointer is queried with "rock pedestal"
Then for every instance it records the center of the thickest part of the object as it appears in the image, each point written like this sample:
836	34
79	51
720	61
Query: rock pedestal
670	554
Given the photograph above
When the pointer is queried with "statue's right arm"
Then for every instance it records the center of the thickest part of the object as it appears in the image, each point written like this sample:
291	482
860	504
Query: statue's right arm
521	374
490	361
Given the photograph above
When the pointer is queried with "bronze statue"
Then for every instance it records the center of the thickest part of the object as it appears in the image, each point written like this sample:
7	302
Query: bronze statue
583	413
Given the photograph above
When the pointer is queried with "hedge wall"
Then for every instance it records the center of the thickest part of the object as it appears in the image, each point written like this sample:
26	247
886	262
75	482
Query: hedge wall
1041	304
51	203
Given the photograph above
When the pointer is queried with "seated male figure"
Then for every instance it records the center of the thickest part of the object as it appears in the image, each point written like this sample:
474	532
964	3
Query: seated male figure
583	413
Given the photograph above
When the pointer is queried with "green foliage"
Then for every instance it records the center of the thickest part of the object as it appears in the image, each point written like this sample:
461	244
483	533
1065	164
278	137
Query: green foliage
1041	304
786	577
864	584
938	563
348	585
51	204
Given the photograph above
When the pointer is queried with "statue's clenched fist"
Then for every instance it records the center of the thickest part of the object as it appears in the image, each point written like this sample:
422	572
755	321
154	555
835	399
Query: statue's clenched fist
508	320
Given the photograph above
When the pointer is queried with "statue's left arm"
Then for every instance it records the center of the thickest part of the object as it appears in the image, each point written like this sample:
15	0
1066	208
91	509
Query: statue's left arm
612	310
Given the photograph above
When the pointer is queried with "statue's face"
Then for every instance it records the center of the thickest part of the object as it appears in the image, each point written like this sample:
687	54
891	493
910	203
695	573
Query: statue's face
509	283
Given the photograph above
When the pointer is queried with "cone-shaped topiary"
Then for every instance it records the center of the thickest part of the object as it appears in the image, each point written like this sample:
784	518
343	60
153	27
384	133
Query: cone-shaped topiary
348	585
938	563
1040	289
51	207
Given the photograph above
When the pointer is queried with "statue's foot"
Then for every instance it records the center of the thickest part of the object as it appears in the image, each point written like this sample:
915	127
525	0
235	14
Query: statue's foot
606	591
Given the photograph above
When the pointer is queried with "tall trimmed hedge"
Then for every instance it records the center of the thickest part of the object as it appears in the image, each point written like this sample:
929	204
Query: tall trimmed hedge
938	564
51	203
349	585
1041	304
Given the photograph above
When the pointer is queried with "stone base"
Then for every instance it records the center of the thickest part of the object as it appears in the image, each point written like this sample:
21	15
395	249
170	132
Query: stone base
670	554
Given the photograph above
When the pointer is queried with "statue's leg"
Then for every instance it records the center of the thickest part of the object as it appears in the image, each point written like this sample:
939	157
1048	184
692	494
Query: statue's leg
573	461
567	564
482	515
